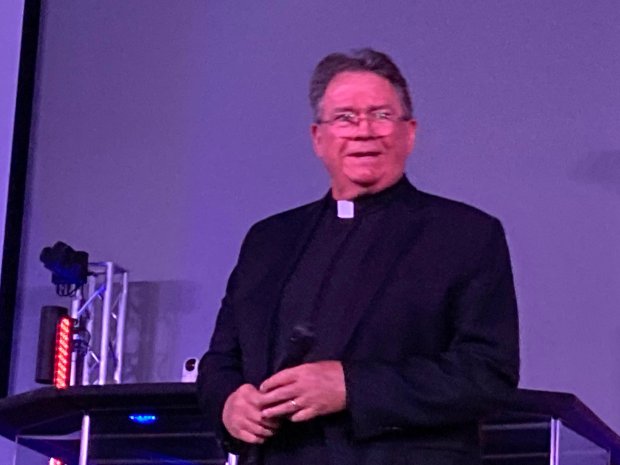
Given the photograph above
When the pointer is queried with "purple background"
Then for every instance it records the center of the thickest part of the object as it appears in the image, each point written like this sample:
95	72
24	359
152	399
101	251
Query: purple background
163	130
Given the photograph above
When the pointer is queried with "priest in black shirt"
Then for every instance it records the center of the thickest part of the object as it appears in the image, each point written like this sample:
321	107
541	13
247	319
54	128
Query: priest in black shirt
377	325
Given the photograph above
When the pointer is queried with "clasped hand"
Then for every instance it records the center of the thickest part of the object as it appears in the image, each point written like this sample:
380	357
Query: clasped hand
298	394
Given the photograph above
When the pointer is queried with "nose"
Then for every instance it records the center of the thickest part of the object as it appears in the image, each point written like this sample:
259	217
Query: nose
364	128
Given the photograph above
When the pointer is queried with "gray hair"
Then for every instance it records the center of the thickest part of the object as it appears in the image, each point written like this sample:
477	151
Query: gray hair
365	59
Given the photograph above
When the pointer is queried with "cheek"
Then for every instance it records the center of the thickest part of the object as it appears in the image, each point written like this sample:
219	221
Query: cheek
330	149
400	148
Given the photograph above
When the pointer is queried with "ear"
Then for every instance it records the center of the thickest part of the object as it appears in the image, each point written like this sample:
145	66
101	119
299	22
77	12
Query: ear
412	127
317	139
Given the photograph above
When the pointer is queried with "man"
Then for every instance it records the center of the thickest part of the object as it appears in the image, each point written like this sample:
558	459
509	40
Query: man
376	325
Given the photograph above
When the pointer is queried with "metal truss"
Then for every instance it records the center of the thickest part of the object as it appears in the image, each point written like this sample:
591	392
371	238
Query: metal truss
99	310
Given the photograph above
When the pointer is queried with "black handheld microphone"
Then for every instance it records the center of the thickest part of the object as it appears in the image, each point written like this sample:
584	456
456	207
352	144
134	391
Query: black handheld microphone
297	346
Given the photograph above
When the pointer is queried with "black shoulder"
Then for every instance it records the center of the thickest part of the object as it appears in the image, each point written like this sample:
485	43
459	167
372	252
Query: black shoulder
459	228
456	213
279	223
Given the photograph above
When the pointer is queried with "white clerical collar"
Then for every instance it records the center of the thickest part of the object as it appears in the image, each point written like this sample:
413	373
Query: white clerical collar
346	209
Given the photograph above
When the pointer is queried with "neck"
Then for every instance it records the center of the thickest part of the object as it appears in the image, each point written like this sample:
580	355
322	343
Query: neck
349	192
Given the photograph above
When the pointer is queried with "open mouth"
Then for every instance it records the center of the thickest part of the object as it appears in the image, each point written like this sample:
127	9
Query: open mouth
364	154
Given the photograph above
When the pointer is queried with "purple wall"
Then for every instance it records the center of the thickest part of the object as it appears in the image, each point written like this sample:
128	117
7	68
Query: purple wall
163	132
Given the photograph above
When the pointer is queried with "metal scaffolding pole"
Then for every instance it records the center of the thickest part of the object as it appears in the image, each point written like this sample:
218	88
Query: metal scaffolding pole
105	323
120	328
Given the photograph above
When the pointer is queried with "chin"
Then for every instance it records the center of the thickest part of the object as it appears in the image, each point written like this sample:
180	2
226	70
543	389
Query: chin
365	182
365	178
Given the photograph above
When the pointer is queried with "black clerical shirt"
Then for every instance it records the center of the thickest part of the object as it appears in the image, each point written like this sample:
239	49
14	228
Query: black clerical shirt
318	293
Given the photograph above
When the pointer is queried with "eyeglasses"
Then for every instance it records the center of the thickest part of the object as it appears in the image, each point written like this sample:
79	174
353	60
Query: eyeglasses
346	123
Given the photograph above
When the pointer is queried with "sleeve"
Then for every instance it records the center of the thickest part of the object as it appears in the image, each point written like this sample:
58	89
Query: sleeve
478	370
220	369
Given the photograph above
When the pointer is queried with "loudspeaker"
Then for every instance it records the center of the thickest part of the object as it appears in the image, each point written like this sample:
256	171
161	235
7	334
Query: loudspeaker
44	372
190	370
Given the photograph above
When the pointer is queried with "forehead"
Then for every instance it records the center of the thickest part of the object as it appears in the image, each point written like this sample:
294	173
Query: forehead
359	90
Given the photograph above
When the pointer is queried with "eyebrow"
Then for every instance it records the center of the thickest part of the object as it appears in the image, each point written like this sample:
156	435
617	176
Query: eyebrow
370	108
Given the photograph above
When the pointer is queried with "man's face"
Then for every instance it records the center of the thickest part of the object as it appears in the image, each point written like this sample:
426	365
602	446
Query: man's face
362	160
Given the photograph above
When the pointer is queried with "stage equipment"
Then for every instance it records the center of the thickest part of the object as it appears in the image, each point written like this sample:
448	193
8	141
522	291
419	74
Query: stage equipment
88	345
62	357
46	349
98	320
143	418
100	311
69	267
190	370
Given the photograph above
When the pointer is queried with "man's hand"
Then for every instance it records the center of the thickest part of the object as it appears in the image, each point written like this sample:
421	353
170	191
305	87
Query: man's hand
242	416
305	391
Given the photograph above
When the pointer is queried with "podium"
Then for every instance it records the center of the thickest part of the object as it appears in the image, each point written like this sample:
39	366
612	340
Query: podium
548	428
47	423
535	428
